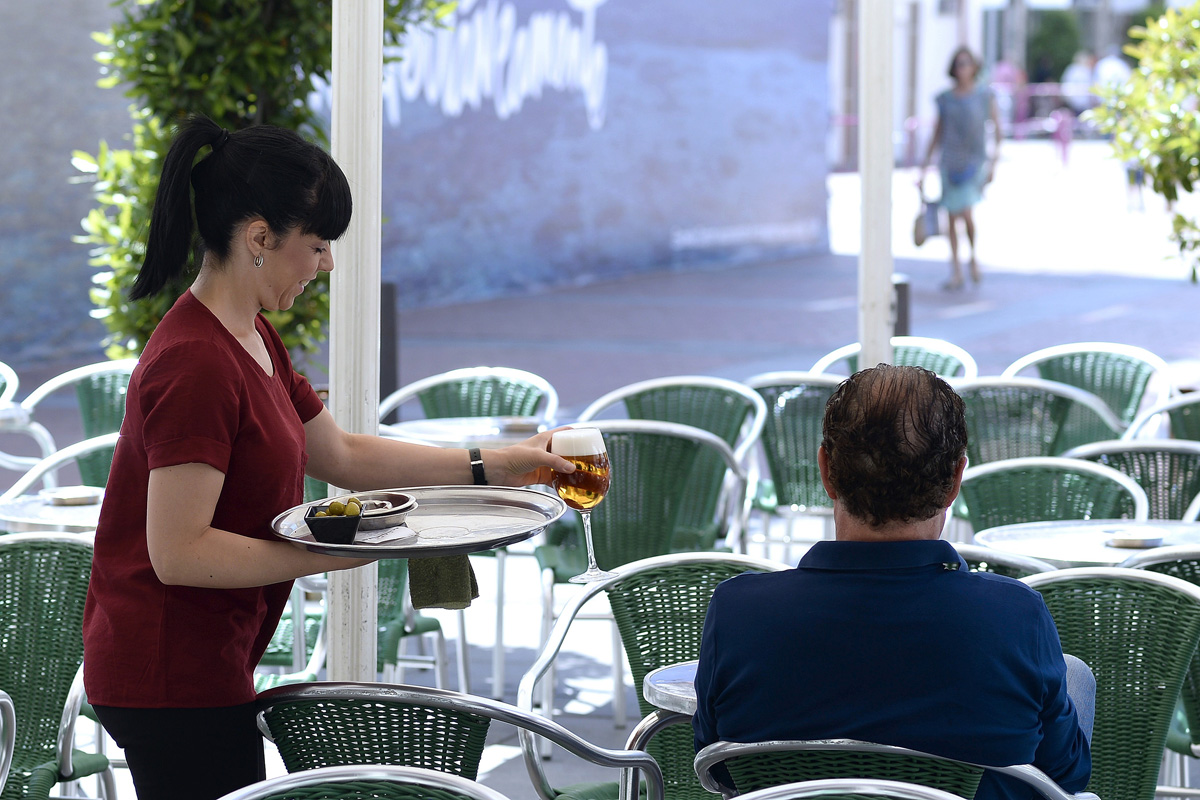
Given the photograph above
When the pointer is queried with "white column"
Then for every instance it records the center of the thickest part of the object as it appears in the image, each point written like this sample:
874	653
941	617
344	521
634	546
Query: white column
357	138
875	163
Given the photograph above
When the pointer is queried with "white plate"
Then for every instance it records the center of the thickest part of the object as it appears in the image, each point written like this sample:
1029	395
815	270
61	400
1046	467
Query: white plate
72	495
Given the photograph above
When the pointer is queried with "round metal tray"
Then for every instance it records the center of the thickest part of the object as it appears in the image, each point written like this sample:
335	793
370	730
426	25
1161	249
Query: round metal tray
455	520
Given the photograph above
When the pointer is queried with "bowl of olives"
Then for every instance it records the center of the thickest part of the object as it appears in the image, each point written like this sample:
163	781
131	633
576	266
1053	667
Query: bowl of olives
385	509
336	522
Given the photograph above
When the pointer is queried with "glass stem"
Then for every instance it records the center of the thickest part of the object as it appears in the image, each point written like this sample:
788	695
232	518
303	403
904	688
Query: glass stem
587	536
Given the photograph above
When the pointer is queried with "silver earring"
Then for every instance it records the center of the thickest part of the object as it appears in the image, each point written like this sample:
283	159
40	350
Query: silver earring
258	261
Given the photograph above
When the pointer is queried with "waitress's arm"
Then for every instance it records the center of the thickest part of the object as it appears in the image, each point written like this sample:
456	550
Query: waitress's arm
186	550
359	462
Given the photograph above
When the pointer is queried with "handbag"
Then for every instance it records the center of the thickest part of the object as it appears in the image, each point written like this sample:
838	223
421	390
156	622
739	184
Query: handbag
927	223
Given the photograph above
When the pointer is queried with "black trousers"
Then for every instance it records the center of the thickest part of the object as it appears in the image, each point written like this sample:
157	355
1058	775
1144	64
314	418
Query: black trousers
187	753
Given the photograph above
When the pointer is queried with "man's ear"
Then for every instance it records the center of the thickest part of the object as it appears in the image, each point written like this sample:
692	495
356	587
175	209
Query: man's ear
823	466
957	485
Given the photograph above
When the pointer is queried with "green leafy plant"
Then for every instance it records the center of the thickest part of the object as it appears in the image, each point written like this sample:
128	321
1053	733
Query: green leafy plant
240	62
1153	117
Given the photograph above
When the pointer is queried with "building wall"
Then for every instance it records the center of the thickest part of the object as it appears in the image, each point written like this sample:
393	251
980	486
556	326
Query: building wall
672	134
531	143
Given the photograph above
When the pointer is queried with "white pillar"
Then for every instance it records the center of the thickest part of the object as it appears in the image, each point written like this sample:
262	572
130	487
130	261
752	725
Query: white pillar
875	164
357	139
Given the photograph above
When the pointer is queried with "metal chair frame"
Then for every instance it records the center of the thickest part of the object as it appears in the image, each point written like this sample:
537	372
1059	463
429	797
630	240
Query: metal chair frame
549	403
1142	420
542	670
1157	365
44	468
20	417
1013	565
790	513
687	432
526	723
970	368
718	752
351	777
1078	396
1098	450
8	735
1141	503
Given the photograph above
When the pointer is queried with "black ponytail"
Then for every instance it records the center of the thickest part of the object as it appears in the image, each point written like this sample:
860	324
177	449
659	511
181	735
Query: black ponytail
262	171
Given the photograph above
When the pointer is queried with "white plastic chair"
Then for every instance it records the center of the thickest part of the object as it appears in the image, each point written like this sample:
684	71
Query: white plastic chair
45	468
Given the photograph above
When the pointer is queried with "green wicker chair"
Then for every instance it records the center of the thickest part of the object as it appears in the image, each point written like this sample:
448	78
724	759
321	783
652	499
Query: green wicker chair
722	407
1039	489
377	782
1183	562
789	442
1183	418
1118	374
659	604
43	584
936	355
480	392
849	789
651	463
757	766
316	725
1024	417
1168	471
1138	631
986	559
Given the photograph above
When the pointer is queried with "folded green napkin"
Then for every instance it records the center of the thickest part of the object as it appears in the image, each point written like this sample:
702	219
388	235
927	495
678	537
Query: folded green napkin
443	582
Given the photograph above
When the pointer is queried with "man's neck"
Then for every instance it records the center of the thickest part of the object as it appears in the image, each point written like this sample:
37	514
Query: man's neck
853	529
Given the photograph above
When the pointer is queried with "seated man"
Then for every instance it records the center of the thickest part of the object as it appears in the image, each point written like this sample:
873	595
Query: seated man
883	635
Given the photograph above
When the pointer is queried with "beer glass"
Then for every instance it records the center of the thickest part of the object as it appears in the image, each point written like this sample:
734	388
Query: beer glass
584	488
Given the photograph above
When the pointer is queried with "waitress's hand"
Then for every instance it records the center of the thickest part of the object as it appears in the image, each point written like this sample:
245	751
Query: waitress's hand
524	464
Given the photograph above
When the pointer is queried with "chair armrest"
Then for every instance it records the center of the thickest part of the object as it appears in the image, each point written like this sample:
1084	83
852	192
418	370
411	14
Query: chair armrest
66	727
640	736
8	721
1041	782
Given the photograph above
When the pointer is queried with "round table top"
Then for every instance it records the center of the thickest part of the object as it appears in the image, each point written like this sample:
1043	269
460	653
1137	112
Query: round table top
467	431
33	512
1088	543
672	687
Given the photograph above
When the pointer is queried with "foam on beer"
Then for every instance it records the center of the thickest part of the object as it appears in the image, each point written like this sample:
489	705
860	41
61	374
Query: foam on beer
577	442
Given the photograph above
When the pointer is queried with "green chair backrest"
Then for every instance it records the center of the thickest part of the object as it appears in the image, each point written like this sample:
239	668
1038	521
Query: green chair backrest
327	732
1119	379
720	412
1035	493
1170	474
1188	569
102	406
760	769
480	397
1138	633
43	585
791	437
947	365
660	615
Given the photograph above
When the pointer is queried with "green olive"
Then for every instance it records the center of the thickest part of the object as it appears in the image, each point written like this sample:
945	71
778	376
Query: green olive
320	514
336	509
353	508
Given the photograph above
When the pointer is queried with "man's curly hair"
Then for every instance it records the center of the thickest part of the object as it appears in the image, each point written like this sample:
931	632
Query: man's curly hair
893	437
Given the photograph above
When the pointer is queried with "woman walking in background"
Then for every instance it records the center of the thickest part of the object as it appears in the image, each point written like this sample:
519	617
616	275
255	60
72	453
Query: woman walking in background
961	133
